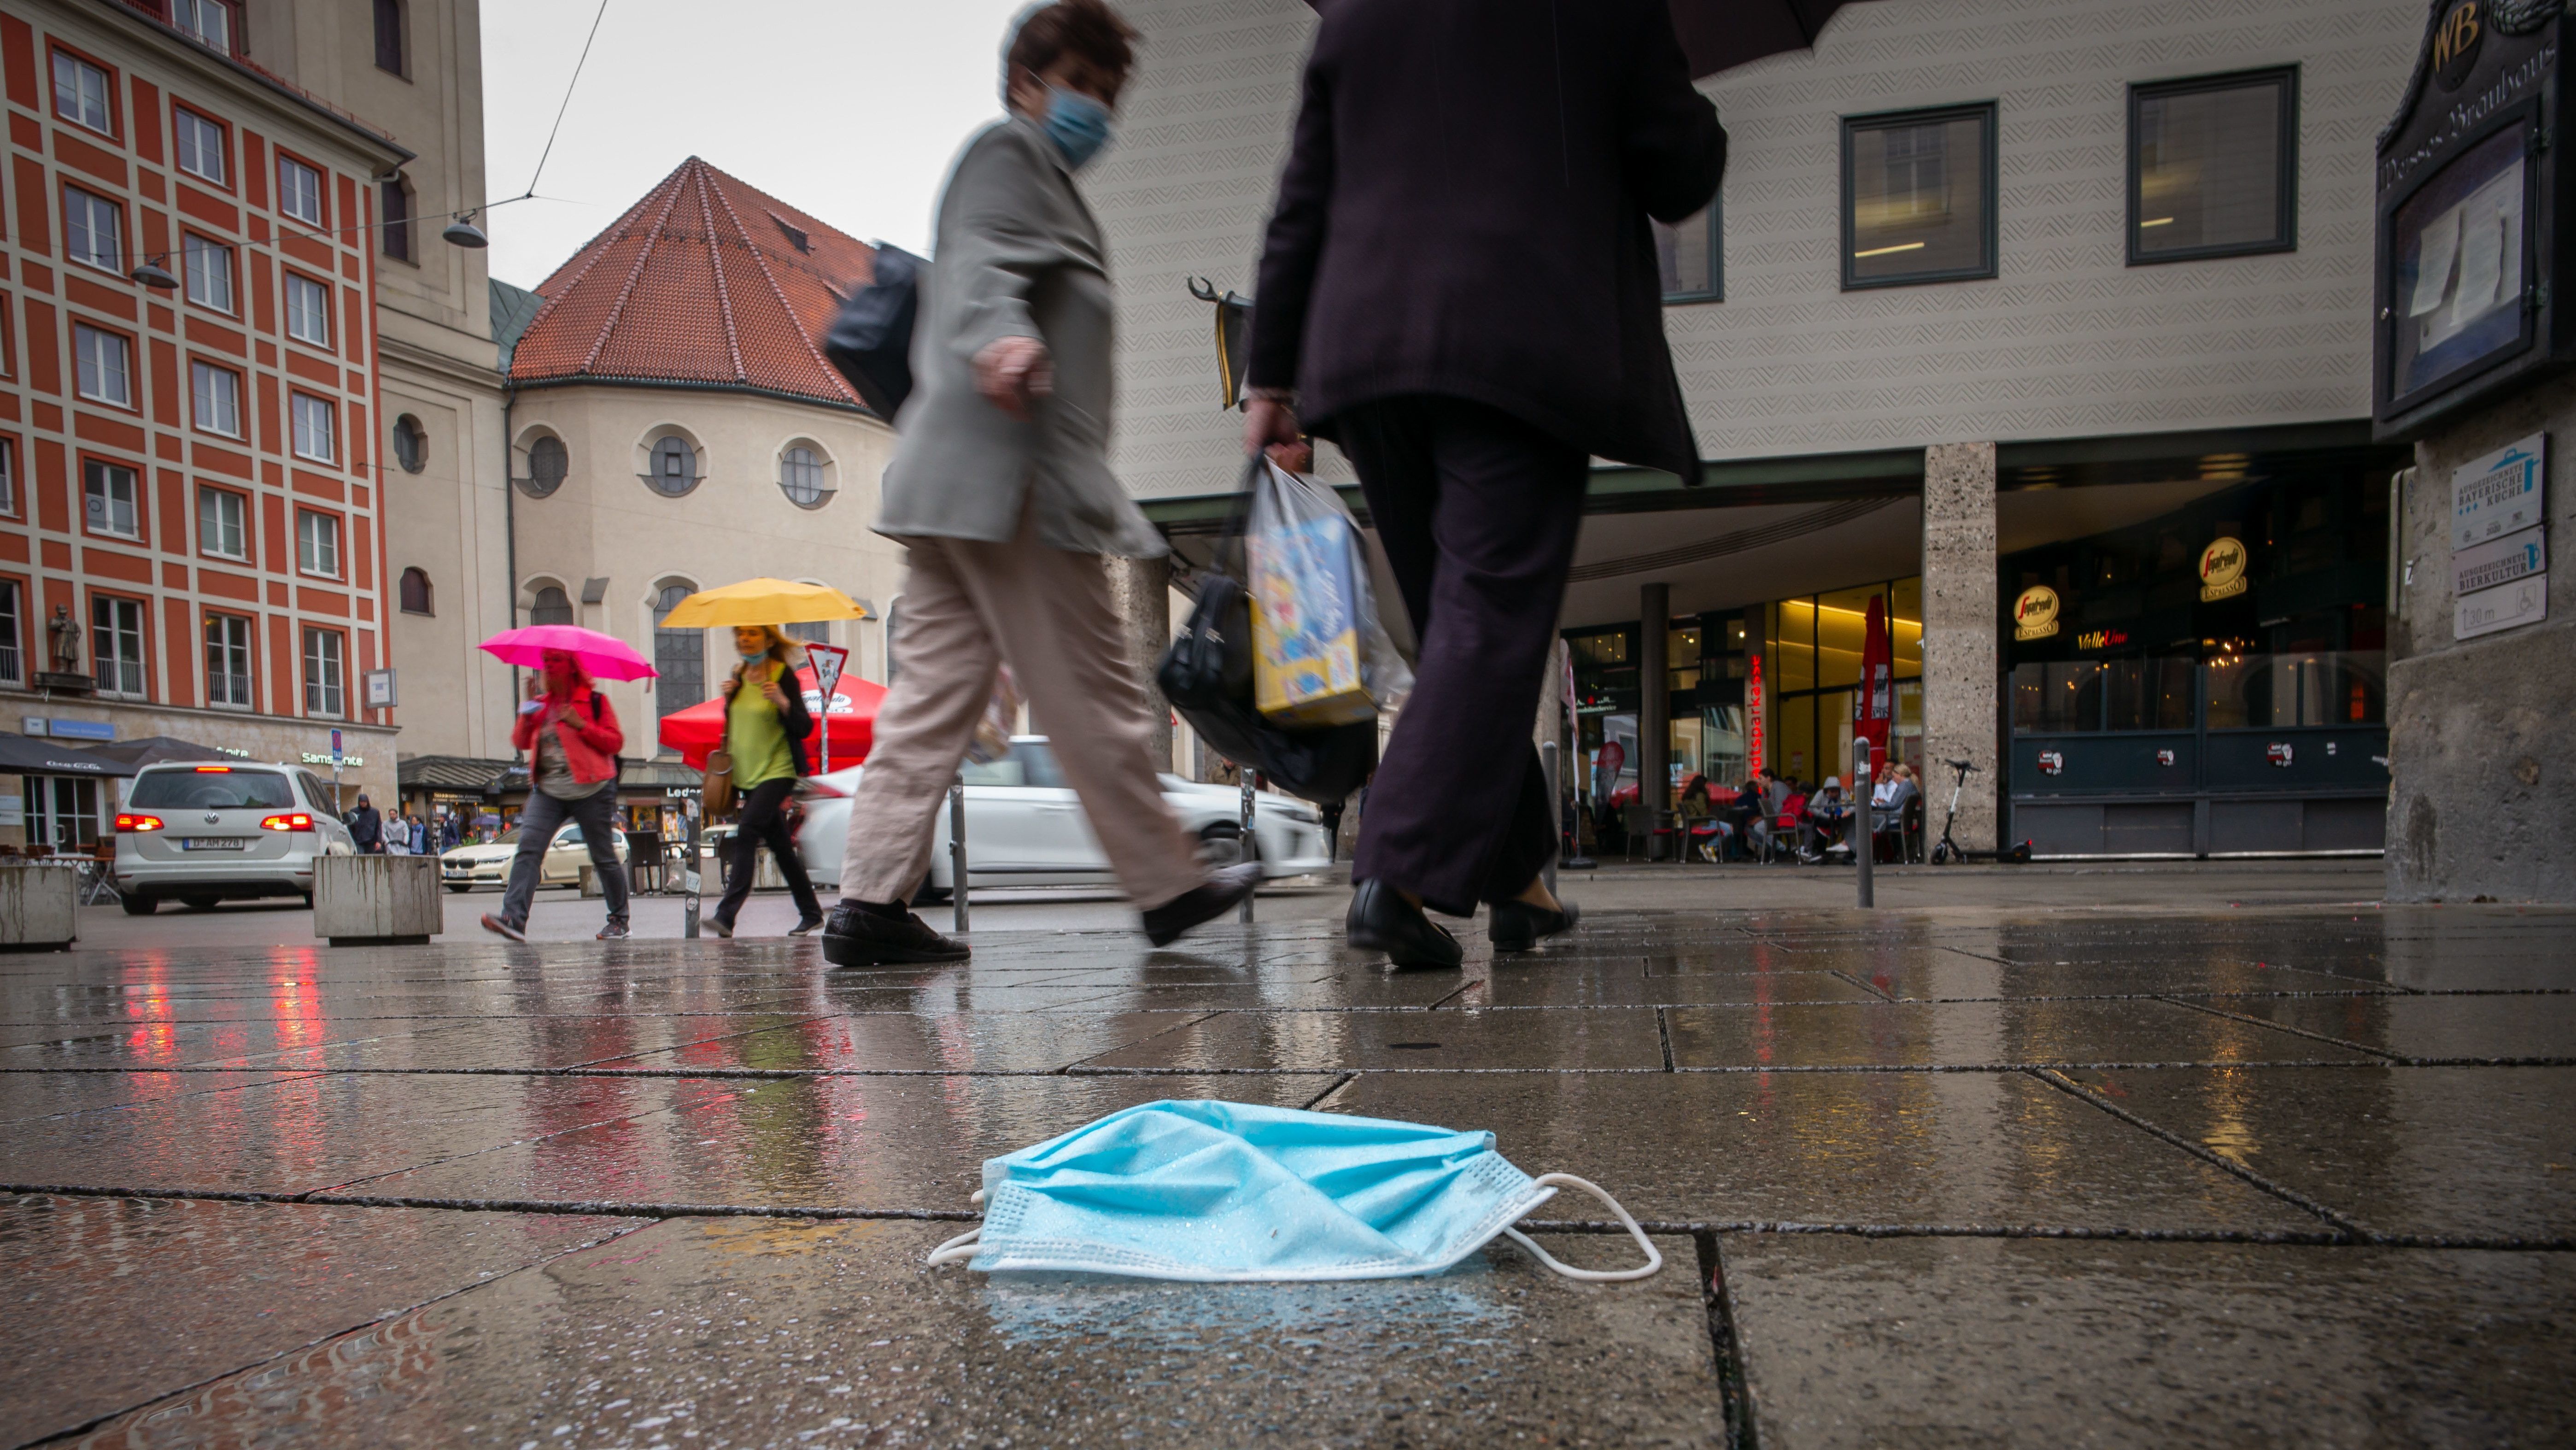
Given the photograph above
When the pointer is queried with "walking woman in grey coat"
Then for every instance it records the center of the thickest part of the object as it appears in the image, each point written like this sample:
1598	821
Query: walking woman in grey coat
1000	488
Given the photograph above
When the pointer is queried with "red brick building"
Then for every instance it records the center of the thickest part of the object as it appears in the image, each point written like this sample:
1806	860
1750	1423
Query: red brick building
188	472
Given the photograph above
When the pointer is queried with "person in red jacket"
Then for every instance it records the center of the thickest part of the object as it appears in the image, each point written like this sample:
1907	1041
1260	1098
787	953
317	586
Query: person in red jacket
571	738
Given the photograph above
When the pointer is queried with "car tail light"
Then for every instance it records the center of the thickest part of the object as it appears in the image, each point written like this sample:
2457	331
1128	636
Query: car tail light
214	770
126	822
295	821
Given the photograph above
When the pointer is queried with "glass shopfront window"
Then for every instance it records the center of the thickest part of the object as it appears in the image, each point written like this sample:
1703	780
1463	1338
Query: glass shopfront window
2273	691
2071	696
1811	670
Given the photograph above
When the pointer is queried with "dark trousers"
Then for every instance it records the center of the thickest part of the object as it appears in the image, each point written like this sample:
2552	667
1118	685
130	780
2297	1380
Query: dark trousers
1479	513
545	815
764	823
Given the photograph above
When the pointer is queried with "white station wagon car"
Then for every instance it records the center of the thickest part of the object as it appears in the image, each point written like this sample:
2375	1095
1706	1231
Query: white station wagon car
487	863
1025	826
207	833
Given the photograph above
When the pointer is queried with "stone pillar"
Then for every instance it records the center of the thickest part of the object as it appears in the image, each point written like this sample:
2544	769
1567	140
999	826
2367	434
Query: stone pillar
1142	591
1961	618
1654	696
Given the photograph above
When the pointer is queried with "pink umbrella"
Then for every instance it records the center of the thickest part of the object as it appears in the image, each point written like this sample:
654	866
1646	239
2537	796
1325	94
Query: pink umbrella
603	655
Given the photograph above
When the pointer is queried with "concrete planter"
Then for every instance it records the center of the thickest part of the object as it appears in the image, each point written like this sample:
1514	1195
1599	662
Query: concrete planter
38	904
376	900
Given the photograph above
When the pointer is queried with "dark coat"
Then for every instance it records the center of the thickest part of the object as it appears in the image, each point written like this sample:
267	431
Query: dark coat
1464	213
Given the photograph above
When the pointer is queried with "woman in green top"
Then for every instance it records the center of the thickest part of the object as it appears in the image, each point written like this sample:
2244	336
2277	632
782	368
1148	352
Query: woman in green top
766	724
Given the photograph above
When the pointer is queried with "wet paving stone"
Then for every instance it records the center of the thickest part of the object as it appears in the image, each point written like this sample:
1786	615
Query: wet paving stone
1858	1342
2542	1027
1851	1148
1624	1038
230	1285
1903	1034
954	1042
2405	1150
30	1095
1547	984
770	1333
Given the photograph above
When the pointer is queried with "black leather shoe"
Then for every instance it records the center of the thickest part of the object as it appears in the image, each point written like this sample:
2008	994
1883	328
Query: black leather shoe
854	936
1516	926
804	925
1220	893
1381	920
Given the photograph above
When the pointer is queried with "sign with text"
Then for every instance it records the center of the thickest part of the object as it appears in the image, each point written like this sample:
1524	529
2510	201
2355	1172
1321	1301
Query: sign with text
2499	561
2035	613
380	689
2500	493
2525	601
2222	570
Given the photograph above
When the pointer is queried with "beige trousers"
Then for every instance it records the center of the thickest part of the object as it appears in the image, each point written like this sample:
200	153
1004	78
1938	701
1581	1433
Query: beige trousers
968	607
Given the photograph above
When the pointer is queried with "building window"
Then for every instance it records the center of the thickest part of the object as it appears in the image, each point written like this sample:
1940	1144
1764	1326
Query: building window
551	606
82	93
8	477
411	444
13	665
209	268
1690	254
1919	196
201	145
547	465
109	499
215	397
105	366
317	543
222	528
93	230
324	691
299	191
308	310
210	21
396	194
2213	167
814	631
800	475
675	467
679	654
116	644
389	37
317	428
228	661
416	595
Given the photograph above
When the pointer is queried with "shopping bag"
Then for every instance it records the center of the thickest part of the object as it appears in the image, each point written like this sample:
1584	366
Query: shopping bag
1302	554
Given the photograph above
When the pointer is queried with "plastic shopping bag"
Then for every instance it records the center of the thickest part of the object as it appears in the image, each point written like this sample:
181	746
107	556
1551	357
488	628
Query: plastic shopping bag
1315	633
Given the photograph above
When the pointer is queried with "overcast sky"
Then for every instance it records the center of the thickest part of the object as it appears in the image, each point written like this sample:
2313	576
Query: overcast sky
848	109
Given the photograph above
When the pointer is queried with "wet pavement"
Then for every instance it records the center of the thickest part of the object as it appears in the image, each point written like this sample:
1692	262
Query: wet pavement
2287	1173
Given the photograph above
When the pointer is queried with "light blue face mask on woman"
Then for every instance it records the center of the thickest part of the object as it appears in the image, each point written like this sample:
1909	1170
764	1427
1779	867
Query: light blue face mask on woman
1217	1192
1077	124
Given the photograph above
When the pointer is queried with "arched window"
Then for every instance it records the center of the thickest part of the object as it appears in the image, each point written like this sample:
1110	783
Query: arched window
800	477
811	631
416	595
552	606
675	466
411	444
679	654
547	465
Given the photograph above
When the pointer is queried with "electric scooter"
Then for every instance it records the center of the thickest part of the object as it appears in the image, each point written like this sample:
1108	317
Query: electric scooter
1948	850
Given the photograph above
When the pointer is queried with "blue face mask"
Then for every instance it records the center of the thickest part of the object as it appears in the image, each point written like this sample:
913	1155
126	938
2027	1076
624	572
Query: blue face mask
1077	124
1214	1191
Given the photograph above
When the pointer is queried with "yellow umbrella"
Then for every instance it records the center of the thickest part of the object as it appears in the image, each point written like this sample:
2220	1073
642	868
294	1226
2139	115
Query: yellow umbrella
762	601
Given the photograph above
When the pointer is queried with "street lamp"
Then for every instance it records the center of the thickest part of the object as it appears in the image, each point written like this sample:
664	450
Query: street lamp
152	274
463	233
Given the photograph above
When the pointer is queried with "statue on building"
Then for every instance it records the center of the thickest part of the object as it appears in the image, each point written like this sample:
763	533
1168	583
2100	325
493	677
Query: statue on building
65	633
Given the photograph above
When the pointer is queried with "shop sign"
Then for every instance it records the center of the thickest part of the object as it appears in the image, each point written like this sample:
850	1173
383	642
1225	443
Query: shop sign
2499	561
2222	570
2052	762
2101	639
2500	493
2035	613
2525	601
1752	714
2279	753
323	757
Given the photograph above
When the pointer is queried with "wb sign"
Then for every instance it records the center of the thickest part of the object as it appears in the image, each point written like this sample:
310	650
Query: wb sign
2455	43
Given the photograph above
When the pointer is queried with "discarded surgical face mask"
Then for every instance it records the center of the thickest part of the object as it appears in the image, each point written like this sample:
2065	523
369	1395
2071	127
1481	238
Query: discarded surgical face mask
1216	1191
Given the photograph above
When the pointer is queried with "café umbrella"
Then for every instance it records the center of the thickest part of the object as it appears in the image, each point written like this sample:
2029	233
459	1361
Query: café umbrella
604	656
700	728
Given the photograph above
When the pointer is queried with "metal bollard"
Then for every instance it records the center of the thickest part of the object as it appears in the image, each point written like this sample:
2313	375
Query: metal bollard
1555	811
1865	827
1247	846
957	850
689	876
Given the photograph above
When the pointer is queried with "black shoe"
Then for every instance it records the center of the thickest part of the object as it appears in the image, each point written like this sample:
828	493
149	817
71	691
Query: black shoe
714	926
1516	926
1221	892
854	936
805	925
1381	920
614	931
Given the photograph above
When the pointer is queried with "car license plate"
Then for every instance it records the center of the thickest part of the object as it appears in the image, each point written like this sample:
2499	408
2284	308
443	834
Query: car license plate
212	843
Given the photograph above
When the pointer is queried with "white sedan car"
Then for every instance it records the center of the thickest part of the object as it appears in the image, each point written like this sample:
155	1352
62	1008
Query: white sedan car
1025	826
488	863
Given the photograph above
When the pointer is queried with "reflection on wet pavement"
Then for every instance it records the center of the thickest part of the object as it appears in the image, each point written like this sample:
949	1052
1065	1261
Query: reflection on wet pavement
2068	1178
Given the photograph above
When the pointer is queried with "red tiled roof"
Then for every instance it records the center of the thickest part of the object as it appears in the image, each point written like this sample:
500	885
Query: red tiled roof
703	281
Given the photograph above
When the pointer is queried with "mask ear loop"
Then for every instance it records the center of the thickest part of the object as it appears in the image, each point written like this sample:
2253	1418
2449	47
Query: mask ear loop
1654	1260
962	1247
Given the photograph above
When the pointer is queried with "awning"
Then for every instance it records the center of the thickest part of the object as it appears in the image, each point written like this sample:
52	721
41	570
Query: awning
459	773
31	755
153	749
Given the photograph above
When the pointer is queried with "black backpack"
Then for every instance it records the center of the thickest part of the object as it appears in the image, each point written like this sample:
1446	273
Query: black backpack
871	337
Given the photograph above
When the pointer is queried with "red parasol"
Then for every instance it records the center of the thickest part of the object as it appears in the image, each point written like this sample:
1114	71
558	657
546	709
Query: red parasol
699	729
1878	684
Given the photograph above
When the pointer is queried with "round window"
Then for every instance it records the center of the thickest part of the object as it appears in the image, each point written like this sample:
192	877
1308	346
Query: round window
675	467
547	465
411	445
800	476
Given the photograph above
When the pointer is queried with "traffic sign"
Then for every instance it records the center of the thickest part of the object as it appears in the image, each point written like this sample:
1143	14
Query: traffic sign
335	750
828	662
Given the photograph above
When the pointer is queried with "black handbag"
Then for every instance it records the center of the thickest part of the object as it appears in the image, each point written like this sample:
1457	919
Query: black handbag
871	337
